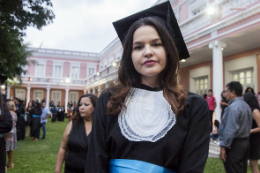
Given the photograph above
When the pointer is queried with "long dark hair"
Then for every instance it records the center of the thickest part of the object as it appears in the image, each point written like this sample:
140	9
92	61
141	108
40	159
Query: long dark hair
76	117
248	88
129	77
251	100
216	123
3	107
222	97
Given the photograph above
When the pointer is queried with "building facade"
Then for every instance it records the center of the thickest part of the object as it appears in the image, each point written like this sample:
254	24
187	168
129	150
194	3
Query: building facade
222	37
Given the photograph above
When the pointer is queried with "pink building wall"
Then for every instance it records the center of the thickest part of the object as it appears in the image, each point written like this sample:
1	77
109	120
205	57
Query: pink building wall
83	71
183	13
31	69
66	69
49	68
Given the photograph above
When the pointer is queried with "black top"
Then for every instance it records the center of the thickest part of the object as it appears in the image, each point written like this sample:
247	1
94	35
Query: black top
183	149
77	148
6	122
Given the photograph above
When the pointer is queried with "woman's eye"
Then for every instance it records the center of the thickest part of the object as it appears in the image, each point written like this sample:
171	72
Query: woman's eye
157	44
86	104
137	47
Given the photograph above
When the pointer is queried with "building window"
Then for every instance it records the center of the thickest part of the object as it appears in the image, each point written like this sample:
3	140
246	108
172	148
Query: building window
91	71
20	93
74	72
245	77
56	97
73	97
40	70
201	85
57	71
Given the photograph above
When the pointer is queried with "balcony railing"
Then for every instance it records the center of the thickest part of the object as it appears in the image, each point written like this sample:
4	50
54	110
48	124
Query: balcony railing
228	5
51	80
64	52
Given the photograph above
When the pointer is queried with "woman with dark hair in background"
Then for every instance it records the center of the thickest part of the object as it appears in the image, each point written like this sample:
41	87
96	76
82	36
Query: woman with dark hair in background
254	138
36	112
20	121
6	125
29	119
250	90
223	103
214	134
148	122
75	137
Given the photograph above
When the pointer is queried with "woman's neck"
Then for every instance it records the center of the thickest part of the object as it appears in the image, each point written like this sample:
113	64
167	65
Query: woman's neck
151	81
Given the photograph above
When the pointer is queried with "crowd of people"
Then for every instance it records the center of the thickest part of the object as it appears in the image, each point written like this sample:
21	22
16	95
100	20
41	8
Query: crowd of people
147	122
239	131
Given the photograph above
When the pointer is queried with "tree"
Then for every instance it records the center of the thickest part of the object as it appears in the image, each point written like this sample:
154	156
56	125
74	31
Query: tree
15	17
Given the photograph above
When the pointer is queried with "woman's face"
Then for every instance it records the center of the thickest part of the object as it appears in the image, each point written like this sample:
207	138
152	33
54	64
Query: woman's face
86	108
224	94
30	104
148	55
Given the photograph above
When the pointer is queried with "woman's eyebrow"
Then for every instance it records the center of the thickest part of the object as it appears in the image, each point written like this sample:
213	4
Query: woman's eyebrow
154	40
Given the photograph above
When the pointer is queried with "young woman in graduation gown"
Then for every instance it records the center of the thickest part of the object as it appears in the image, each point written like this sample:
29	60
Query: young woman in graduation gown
148	122
74	146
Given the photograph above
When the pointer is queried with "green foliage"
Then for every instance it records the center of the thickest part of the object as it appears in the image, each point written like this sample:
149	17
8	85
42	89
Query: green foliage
15	17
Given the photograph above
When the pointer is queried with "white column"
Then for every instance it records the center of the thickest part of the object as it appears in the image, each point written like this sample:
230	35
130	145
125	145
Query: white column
48	97
66	99
28	95
99	90
8	91
89	92
94	90
217	61
107	84
85	91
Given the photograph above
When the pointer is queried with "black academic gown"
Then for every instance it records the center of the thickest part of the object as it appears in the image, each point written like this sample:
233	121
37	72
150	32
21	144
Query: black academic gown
183	149
6	125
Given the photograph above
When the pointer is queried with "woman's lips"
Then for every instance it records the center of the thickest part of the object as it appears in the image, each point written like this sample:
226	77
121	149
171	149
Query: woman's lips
149	62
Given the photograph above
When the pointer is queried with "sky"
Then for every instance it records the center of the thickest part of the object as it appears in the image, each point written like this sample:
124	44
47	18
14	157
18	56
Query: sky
83	25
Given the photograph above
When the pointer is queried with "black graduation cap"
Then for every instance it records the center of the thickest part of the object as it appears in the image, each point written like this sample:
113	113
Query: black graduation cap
2	79
162	11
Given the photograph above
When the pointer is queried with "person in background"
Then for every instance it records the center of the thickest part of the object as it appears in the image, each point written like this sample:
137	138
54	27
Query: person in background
74	144
258	97
10	137
20	121
54	113
36	113
234	130
254	138
16	101
250	90
223	103
29	119
44	118
51	104
205	96
212	105
6	125
214	134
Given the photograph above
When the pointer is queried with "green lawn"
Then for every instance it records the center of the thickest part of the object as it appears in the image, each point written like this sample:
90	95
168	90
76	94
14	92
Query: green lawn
40	157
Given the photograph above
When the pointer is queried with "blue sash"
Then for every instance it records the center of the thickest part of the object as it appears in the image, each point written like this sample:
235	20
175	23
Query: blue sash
37	116
135	166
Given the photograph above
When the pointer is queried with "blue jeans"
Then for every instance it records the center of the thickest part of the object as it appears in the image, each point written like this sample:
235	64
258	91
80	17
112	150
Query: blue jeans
43	126
214	136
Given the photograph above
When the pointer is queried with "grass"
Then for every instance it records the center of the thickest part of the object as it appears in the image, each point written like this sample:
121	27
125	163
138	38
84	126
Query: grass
40	157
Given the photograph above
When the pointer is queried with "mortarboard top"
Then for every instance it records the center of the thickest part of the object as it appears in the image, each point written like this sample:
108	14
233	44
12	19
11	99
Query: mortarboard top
163	11
2	79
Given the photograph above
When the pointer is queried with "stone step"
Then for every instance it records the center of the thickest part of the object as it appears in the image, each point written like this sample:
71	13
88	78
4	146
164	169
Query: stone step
213	154
214	147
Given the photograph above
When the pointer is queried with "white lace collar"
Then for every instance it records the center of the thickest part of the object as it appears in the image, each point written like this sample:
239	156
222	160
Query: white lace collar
148	116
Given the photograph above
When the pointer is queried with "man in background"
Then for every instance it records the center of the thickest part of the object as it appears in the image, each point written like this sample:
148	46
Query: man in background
234	130
44	118
212	105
